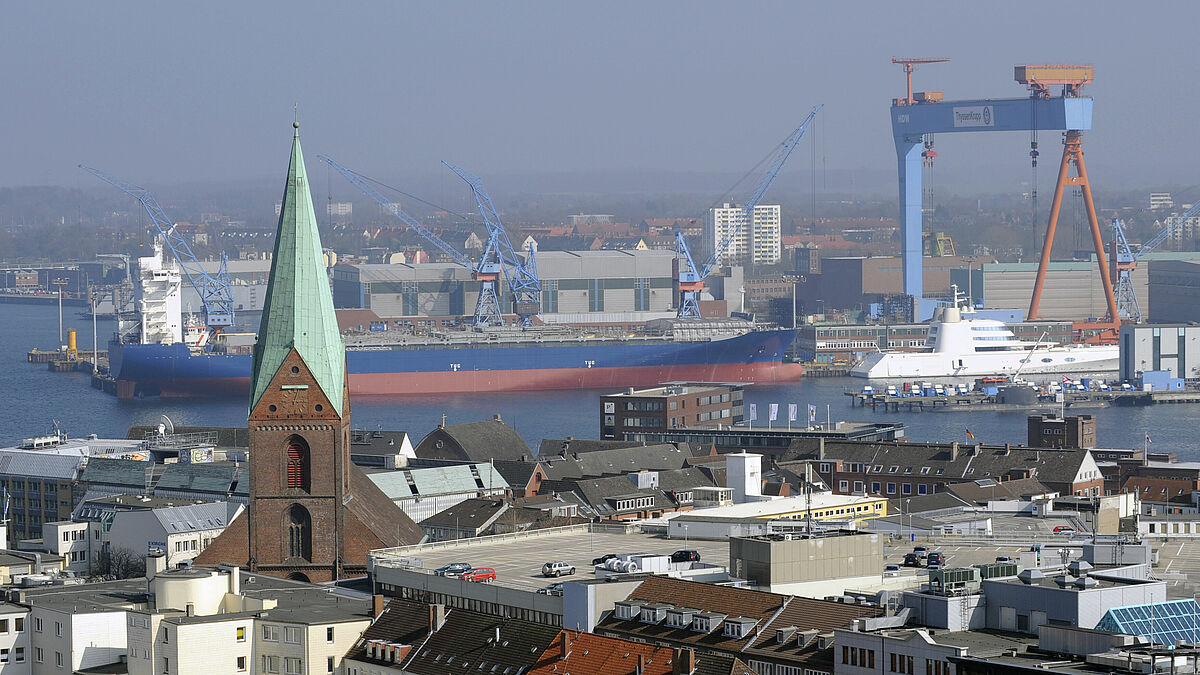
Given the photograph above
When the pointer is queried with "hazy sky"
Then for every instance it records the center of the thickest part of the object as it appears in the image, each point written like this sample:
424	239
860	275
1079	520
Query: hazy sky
172	92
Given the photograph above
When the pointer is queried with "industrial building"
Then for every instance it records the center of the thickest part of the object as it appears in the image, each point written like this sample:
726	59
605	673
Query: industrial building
1174	295
576	285
1174	348
855	282
757	242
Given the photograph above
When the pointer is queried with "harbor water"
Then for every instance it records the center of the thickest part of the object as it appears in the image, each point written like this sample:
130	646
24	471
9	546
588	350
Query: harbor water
36	398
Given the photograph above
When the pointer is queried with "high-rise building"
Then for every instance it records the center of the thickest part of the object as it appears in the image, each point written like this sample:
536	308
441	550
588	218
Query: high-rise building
757	242
313	515
1161	200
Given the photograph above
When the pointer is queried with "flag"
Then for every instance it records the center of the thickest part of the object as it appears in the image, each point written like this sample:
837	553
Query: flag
970	435
812	413
1066	380
1148	439
753	412
774	411
791	412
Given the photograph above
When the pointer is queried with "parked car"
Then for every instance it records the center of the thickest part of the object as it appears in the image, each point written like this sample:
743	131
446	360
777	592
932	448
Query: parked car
935	565
685	555
891	570
453	569
1064	529
479	574
557	568
603	559
1003	559
912	560
921	551
935	558
552	589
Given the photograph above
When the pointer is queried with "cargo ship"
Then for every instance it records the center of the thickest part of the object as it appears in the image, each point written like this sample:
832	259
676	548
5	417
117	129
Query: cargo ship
163	354
496	360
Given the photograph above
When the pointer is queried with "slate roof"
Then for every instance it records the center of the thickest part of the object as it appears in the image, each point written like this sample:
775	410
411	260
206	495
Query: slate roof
298	308
938	501
402	621
981	491
194	517
213	478
615	461
515	473
469	639
124	472
479	442
591	654
469	513
40	465
550	447
968	463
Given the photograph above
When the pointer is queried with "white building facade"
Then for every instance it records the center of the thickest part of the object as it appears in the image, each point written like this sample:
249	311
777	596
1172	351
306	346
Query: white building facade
758	241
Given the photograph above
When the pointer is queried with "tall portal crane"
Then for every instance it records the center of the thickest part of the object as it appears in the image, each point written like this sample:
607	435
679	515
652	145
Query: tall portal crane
690	277
1125	261
521	276
216	291
486	270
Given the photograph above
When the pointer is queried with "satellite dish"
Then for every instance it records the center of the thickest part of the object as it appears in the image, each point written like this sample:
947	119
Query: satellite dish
167	425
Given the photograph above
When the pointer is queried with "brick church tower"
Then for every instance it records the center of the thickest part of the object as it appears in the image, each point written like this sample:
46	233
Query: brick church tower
313	515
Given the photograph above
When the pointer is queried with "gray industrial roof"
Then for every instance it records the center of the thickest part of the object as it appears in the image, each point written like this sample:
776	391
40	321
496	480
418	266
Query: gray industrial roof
39	465
195	517
438	480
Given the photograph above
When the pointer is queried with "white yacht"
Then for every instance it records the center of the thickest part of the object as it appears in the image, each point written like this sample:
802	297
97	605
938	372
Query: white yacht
958	345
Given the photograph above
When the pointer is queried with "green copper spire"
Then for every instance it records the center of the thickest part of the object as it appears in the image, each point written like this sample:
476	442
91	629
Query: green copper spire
298	311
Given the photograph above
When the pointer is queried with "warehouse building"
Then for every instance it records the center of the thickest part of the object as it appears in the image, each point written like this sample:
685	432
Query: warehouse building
1174	291
1173	348
576	285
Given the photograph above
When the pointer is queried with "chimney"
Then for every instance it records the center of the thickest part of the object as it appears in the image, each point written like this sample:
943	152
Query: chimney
641	665
156	563
953	450
191	609
377	603
496	417
235	580
821	448
437	617
684	662
566	645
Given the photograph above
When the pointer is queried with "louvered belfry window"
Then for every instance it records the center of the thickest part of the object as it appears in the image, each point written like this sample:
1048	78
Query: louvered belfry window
297	466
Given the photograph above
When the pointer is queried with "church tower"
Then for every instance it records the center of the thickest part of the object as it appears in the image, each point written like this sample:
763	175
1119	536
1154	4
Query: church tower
313	515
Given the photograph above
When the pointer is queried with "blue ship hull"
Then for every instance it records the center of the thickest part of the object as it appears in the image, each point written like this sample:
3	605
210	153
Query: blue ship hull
172	370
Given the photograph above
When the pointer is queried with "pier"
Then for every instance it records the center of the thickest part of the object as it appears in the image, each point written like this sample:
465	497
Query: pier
980	401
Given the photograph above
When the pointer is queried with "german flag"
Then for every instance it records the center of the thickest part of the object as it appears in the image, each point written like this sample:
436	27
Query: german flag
970	435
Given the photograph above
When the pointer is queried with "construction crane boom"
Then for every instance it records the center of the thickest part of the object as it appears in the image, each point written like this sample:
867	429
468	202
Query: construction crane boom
690	277
521	277
359	181
216	291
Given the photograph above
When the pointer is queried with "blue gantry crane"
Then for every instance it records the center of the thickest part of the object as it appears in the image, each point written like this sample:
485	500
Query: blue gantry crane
520	275
216	291
498	259
1125	261
689	277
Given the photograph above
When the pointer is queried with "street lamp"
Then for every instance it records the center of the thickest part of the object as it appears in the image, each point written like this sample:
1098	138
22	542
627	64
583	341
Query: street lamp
685	538
908	508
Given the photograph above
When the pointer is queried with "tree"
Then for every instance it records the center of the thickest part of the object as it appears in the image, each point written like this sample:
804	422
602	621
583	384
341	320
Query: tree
122	563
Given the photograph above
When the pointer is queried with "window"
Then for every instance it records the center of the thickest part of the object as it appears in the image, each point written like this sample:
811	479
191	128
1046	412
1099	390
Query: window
891	488
824	467
875	488
299	529
166	667
20	624
843	485
57	629
37	654
3	656
58	659
166	636
291	635
908	488
329	634
19	655
270	664
37	624
241	633
270	633
241	663
329	665
291	666
3	625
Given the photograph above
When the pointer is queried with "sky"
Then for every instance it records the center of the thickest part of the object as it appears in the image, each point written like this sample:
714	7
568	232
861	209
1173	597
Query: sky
168	93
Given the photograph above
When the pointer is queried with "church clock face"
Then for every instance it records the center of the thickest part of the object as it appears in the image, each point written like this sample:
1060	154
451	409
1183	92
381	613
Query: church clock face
295	401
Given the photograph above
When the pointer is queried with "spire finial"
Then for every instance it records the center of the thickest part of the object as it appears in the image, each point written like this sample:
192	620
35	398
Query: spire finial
296	121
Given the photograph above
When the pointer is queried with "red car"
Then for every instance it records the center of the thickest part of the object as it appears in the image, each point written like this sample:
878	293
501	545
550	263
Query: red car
1064	529
479	574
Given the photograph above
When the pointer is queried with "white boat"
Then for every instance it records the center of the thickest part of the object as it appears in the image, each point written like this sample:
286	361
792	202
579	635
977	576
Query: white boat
960	345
